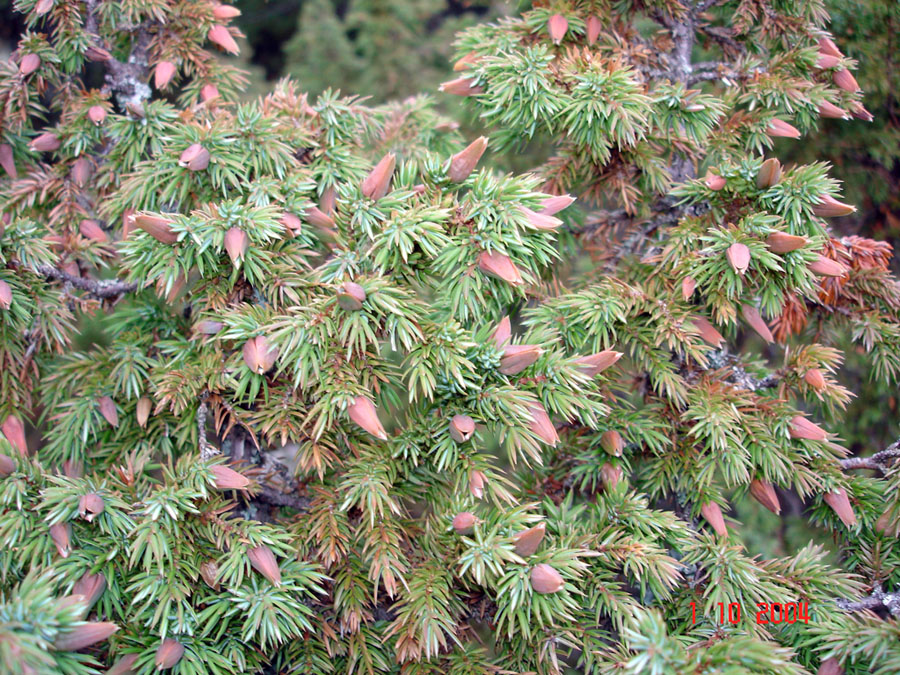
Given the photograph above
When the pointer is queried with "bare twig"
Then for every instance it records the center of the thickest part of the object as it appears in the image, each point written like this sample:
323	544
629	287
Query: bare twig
880	461
877	600
105	290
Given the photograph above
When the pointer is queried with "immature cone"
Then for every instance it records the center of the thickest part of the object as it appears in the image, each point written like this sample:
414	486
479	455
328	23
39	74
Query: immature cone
378	182
528	541
14	431
756	322
612	442
858	110
209	92
839	502
502	332
831	111
707	331
291	223
163	74
557	25
228	479
108	410
464	523
81	171
220	36
59	533
688	284
829	207
209	327
143	411
815	378
90	506
827	46
7	466
363	413
46	142
468	60
210	573
328	201
263	561
553	205
611	475
517	358
225	12
593	28
461	86
351	296
156	226
463	163
826	267
595	364
97	54
5	295
782	129
800	427
72	468
259	355
769	173
97	114
844	79
830	667
764	492
90	229
713	515
885	524
738	257
168	654
826	61
7	161
84	635
713	182
477	479
41	7
501	266
124	666
91	587
781	242
545	579
317	217
29	64
195	158
540	221
236	244
541	425
461	428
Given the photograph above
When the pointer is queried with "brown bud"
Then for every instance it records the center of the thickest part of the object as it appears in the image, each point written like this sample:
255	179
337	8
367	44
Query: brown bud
351	296
124	666
7	466
210	573
228	479
463	163
136	108
826	61
81	171
378	182
209	327
738	257
156	226
163	74
195	158
840	503
90	229
220	37
60	533
887	525
72	468
781	128
500	266
5	295
517	358
209	92
829	207
46	142
143	411
14	431
713	515
462	427
553	205
108	410
815	378
259	355
827	46
541	424
528	541
764	492
831	111
557	25
756	322
593	28
464	523
41	7
545	579
263	561
826	267
800	427
468	60
713	181
90	506
595	364
781	242
707	332
502	332
225	12
477	480
7	161
687	288
844	79
236	244
612	442
91	587
830	667
328	200
29	64
611	475
84	635
97	54
540	221
317	217
769	173
168	654
363	413
461	86
858	110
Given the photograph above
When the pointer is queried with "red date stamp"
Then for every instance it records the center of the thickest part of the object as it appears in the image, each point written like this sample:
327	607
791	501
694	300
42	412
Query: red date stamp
766	612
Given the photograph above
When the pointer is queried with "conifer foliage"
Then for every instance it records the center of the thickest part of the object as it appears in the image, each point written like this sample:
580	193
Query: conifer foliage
353	405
